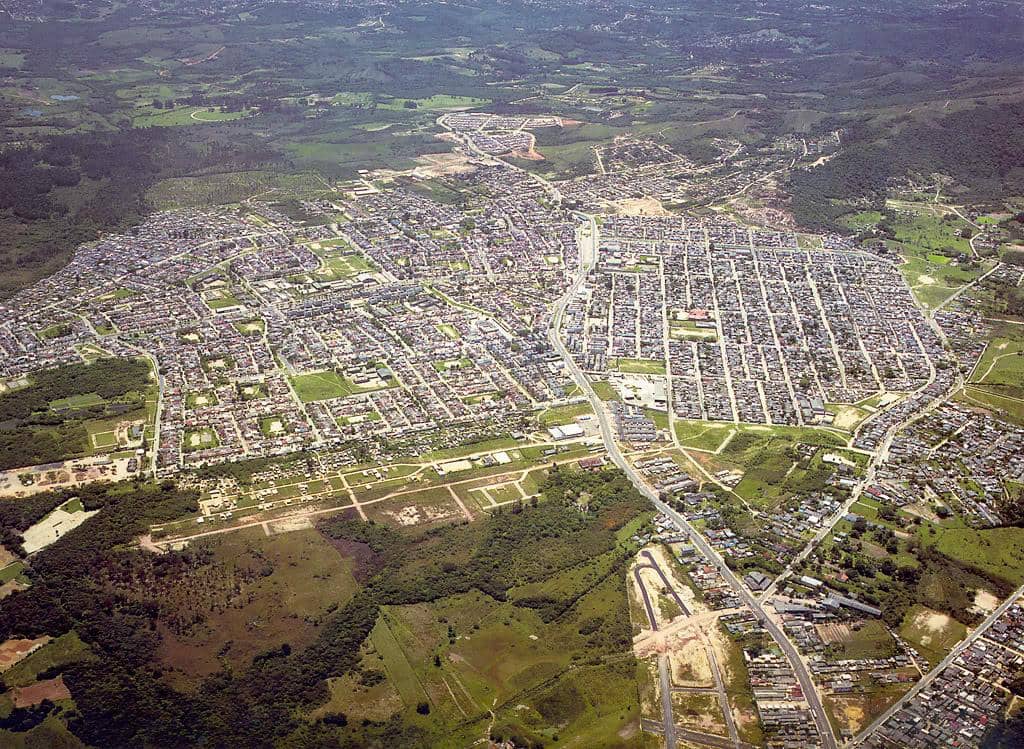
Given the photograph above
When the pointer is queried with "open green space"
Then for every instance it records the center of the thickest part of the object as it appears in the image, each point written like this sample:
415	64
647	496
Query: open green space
325	385
563	414
637	366
932	633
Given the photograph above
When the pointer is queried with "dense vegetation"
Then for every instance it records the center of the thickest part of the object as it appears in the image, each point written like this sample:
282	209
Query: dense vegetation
121	699
981	149
33	431
71	188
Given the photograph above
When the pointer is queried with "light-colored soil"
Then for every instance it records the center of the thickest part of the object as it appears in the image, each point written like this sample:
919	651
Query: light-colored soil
440	164
9	587
287	525
985	601
15	650
932	621
690	666
641	207
531	155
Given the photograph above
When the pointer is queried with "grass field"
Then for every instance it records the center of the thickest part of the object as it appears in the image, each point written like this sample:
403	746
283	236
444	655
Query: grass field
932	633
319	386
57	652
563	414
637	366
149	117
1001	364
77	401
13	571
702	435
1009	405
605	391
996	551
199	439
866	639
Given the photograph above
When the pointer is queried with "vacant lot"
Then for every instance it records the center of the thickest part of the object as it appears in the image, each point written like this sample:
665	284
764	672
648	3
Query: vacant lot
255	593
931	633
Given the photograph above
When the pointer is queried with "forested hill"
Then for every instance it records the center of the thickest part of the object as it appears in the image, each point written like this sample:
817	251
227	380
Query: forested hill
981	149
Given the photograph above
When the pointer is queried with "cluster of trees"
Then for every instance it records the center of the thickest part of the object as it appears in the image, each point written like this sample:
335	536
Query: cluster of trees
71	188
32	433
120	696
980	148
108	378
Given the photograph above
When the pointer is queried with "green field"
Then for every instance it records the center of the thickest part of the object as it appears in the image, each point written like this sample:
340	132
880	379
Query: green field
1009	405
201	399
179	116
932	633
199	439
702	435
273	426
13	571
563	414
325	385
605	391
57	652
637	366
1002	363
995	551
867	639
77	401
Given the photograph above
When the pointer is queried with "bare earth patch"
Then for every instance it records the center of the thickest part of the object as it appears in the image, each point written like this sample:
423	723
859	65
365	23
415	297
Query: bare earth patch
13	651
641	207
50	689
985	601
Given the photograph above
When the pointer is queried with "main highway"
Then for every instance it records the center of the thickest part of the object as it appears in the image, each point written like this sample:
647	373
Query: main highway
588	257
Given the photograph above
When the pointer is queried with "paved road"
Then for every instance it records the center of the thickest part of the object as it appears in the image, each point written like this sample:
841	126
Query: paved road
587	260
647	599
719	687
931	675
723	698
666	702
697	737
653	564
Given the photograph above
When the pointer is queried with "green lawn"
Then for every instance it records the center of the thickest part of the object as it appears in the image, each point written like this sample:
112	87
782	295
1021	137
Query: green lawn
13	571
199	439
149	117
1002	363
867	639
563	414
449	330
57	652
319	386
637	366
702	435
1008	404
605	391
78	401
273	426
996	551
